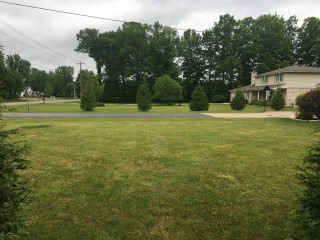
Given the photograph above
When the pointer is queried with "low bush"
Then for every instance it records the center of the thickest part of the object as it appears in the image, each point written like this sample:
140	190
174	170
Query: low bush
100	105
219	99
258	102
309	103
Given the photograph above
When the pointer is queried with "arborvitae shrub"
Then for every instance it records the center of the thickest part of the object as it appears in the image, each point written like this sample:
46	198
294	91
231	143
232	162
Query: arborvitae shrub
309	212
277	101
89	98
13	188
144	97
238	102
199	100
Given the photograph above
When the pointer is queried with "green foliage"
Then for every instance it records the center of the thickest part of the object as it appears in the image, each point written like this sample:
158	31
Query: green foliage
100	104
309	103
219	99
167	90
258	102
144	97
309	177
64	75
238	102
199	100
89	97
13	189
277	101
308	45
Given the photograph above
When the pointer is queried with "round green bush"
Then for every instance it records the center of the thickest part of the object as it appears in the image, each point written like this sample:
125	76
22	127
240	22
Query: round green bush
219	99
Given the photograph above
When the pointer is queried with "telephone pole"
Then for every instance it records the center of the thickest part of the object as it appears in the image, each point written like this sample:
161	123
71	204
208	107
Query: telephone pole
80	63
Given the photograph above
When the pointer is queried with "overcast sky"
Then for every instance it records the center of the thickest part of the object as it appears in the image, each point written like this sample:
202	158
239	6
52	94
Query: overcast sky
58	31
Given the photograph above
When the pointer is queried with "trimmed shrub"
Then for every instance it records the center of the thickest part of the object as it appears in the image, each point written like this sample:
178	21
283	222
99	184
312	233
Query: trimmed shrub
258	102
277	101
309	103
199	100
309	212
144	97
238	102
89	98
219	99
13	189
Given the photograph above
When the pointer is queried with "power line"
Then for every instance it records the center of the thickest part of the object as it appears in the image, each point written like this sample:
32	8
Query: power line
42	67
81	15
30	38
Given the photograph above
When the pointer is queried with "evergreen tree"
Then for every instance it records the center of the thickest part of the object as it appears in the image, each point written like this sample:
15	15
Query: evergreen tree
89	97
144	97
309	177
238	102
12	188
199	101
277	101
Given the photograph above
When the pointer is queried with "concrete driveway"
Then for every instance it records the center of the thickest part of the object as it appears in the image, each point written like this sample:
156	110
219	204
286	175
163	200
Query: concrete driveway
271	114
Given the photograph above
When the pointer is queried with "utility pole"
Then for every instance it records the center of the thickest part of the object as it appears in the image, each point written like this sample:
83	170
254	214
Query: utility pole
80	63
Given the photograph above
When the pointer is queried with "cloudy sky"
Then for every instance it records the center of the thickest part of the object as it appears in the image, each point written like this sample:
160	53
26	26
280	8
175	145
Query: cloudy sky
58	31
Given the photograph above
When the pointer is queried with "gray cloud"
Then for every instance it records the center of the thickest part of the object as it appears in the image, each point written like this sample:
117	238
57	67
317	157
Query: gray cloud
58	31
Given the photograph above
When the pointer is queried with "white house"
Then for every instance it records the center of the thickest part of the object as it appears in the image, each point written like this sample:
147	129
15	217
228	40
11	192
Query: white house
293	81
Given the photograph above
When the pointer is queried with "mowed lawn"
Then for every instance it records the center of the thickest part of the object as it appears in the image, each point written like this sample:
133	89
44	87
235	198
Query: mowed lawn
191	178
74	107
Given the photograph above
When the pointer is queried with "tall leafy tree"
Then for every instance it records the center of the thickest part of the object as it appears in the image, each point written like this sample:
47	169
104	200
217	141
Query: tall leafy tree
64	75
309	42
167	89
16	63
191	61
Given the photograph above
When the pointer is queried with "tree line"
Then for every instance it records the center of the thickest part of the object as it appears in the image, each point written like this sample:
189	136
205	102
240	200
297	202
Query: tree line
220	58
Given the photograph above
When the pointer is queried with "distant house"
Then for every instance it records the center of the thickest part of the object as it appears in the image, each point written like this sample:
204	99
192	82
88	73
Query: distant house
293	81
30	93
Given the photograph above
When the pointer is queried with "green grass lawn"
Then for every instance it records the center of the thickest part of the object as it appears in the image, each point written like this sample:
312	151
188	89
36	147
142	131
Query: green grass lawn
74	107
191	178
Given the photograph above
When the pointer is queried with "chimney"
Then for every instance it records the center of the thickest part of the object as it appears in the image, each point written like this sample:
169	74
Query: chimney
254	74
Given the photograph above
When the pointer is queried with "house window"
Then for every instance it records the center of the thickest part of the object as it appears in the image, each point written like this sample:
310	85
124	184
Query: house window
264	80
279	78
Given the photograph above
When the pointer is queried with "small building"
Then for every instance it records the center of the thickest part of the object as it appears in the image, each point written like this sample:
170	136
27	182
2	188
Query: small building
293	80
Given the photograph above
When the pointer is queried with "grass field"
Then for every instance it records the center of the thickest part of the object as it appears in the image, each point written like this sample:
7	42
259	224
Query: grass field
158	178
74	107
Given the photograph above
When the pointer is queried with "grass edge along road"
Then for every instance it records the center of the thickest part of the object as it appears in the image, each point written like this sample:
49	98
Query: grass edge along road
201	178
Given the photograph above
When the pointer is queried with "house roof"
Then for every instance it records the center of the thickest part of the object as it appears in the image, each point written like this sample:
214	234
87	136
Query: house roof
292	69
255	88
